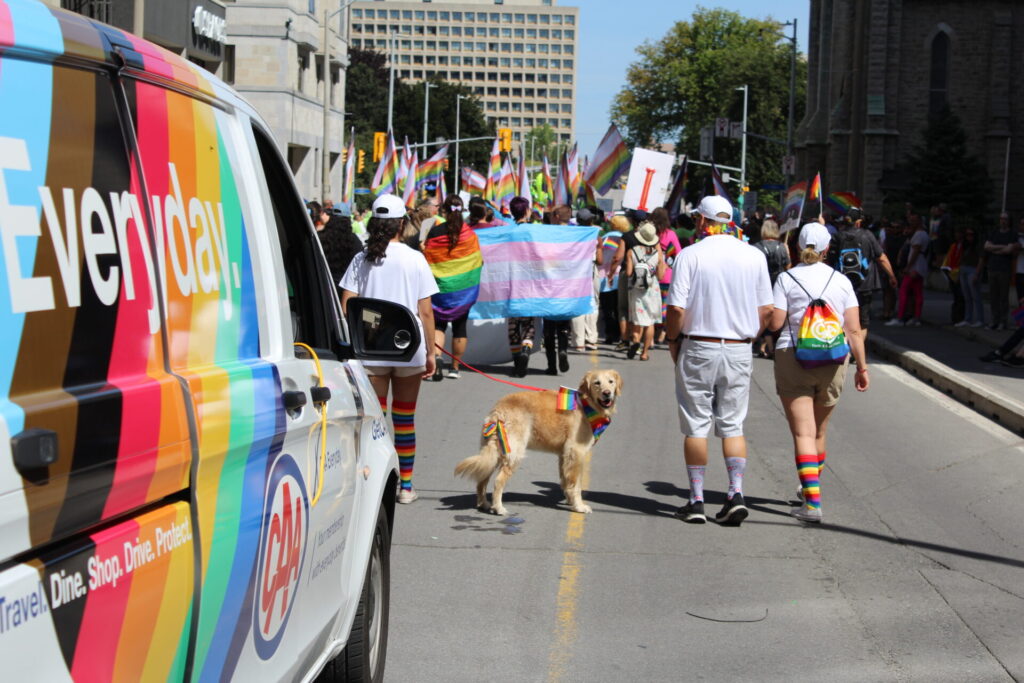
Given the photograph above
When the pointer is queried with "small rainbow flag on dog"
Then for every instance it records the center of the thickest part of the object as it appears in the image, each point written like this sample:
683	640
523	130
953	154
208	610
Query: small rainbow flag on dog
567	399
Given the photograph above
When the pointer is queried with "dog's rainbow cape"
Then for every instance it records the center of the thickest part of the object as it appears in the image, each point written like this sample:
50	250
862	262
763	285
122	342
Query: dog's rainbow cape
497	429
570	399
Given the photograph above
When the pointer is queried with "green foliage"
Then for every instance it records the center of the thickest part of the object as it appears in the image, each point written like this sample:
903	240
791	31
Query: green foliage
367	102
688	78
538	142
942	169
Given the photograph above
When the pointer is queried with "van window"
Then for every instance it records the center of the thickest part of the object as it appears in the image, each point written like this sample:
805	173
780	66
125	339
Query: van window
312	297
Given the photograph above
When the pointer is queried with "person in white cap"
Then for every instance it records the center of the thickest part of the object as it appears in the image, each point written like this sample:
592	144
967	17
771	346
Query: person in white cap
719	301
809	395
391	270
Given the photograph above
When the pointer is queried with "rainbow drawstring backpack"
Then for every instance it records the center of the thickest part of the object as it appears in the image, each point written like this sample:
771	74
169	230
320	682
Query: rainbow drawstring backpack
821	340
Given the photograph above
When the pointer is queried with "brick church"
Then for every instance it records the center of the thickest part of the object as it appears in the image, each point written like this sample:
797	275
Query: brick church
876	68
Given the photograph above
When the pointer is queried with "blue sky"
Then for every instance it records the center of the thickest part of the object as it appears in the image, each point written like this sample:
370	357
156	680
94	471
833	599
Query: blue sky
610	34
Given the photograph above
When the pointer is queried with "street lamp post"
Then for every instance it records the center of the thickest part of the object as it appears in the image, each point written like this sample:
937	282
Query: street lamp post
391	78
743	144
792	97
426	107
325	175
458	120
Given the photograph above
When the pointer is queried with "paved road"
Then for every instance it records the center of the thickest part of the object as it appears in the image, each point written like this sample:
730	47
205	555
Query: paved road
917	575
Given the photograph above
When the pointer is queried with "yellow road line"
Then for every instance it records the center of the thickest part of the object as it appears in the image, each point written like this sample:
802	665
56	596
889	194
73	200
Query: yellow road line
568	593
568	583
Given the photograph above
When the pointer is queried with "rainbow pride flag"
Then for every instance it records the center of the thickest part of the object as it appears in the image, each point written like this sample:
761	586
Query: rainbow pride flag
842	202
387	170
611	241
523	177
549	185
814	192
506	187
676	196
536	270
457	272
409	193
493	171
473	180
611	160
567	399
432	166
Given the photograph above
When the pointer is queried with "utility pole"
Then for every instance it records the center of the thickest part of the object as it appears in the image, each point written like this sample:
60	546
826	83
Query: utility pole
426	107
458	120
792	101
325	173
391	78
743	145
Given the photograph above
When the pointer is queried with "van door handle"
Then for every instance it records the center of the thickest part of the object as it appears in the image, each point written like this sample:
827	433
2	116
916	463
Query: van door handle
320	394
34	450
293	400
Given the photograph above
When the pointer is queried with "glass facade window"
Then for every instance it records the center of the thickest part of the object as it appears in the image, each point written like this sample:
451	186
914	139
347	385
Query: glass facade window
531	63
506	18
491	106
431	16
505	62
520	18
531	18
494	17
505	76
407	14
517	77
456	30
518	63
381	44
556	18
492	32
506	33
520	33
417	30
358	13
481	47
531	48
407	29
528	122
543	48
516	121
406	44
369	13
506	47
502	106
470	16
542	63
566	78
554	78
516	92
545	19
544	34
445	16
556	34
456	16
417	44
443	30
566	63
570	34
418	15
517	47
405	59
531	33
570	19
528	106
568	49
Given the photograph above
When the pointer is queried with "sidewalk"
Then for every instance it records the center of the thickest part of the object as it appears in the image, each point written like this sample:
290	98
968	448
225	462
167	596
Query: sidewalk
948	358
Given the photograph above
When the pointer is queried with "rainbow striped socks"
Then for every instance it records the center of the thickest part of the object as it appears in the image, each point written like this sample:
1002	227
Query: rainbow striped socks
403	415
808	469
821	463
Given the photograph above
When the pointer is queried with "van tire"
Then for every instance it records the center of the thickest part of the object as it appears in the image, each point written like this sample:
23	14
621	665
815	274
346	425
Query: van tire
362	660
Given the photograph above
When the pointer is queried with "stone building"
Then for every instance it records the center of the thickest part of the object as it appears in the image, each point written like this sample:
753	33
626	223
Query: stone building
876	68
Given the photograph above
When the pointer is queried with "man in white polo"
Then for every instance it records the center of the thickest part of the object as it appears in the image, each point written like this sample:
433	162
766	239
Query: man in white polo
719	301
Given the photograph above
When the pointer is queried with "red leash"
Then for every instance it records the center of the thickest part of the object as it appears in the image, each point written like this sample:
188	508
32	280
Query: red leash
481	372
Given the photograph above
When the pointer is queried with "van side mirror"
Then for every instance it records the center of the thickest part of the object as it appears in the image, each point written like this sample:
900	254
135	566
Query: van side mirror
382	330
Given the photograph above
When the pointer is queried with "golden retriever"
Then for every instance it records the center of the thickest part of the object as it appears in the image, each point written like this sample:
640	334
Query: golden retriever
532	420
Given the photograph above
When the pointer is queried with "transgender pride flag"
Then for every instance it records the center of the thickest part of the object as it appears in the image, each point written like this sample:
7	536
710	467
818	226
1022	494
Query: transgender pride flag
536	270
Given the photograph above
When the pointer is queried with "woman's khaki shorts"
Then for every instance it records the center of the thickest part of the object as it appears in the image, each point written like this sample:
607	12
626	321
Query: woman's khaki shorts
823	384
393	371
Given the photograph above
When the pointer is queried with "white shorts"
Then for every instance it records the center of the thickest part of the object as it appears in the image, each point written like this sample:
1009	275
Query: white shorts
713	387
394	371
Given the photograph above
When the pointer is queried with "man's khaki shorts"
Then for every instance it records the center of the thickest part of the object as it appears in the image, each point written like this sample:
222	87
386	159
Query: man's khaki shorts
824	384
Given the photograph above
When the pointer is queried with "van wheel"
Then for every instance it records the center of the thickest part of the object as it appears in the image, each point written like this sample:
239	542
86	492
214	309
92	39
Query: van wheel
363	658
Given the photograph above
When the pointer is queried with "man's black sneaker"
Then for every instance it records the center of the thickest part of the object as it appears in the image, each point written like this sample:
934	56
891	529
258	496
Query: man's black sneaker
692	513
733	512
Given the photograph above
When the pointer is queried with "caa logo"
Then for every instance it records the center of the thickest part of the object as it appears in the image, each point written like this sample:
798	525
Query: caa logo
281	554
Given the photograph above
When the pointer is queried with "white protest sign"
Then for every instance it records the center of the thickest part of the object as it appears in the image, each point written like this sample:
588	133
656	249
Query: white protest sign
721	127
650	178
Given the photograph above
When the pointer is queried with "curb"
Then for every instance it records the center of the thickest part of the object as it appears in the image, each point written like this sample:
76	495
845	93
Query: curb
994	405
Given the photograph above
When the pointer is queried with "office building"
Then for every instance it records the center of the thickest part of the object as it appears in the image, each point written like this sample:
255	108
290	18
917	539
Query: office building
518	56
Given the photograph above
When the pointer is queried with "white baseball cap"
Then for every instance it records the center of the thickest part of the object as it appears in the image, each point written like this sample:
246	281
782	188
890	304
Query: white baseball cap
388	206
815	235
712	205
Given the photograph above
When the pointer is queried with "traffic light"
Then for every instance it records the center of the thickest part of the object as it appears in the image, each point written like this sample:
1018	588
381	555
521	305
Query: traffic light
361	163
344	156
504	139
380	143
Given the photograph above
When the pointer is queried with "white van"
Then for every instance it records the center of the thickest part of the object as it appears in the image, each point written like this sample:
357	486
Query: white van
186	493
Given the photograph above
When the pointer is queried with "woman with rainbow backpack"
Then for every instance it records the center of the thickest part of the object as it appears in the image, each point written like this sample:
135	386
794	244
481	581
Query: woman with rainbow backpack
816	310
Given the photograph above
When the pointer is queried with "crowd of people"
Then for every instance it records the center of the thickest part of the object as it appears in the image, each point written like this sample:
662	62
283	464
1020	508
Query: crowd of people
714	293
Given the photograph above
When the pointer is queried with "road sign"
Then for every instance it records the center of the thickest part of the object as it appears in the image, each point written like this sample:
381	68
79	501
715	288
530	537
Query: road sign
789	165
707	143
736	130
721	127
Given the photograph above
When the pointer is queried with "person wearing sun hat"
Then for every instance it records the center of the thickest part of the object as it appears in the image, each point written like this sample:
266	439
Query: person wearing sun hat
809	395
645	265
719	302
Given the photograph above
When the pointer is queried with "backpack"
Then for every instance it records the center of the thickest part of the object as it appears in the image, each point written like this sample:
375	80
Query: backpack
777	256
851	261
821	340
643	274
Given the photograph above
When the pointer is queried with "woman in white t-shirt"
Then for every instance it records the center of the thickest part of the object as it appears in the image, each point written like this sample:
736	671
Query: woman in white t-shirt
810	395
390	270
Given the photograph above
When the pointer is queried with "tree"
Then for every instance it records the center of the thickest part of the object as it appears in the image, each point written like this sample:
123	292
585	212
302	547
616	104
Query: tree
540	142
941	168
367	101
686	80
